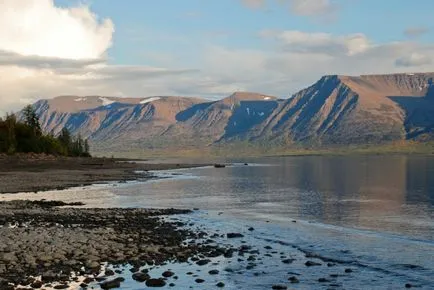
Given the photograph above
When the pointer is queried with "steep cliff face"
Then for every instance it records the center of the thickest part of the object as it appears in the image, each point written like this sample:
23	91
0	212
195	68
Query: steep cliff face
334	110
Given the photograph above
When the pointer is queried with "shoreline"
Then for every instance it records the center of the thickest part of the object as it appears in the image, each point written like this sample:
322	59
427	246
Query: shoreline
42	173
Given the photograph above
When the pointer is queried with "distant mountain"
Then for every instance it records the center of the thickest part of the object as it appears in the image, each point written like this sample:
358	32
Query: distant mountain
334	110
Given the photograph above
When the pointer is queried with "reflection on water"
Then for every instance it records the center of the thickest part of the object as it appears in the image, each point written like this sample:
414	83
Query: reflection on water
385	193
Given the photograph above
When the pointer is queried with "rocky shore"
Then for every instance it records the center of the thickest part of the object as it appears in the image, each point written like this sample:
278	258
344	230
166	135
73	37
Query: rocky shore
33	173
43	244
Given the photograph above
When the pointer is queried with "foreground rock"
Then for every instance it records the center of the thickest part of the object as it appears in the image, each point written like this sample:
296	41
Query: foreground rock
41	239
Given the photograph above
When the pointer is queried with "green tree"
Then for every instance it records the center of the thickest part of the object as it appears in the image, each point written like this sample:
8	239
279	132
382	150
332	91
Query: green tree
32	120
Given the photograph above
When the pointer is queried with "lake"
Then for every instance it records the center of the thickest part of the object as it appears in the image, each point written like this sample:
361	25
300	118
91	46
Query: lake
375	213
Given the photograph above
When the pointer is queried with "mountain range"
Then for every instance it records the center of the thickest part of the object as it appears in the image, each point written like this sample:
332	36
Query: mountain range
336	109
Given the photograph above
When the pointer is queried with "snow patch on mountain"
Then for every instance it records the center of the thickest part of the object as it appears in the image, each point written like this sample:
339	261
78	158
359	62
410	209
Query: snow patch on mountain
105	101
148	100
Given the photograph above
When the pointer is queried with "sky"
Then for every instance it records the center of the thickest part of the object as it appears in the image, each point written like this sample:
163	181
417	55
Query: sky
138	48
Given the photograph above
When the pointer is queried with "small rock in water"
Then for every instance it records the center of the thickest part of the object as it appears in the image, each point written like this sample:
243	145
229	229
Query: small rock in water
279	287
198	280
203	262
294	280
110	284
140	277
312	263
234	235
168	274
348	270
251	229
408	285
109	272
220	284
155	283
213	272
323	280
288	261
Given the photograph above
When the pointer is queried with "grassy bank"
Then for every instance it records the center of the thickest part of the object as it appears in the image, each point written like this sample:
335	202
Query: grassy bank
252	150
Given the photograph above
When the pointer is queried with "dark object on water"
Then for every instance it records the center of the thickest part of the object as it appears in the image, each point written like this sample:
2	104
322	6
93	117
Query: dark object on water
219	165
234	235
246	164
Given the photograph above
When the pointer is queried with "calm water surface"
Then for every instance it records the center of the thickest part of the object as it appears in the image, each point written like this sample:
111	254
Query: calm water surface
383	193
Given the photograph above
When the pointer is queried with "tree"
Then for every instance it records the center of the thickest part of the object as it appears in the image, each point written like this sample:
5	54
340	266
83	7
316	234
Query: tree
86	147
31	119
65	139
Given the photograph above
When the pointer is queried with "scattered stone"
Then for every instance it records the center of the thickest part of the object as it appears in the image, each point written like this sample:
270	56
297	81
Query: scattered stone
288	261
408	285
312	263
348	270
213	272
279	287
203	262
293	280
167	274
109	272
110	284
199	281
234	235
220	284
155	282
140	277
323	280
251	229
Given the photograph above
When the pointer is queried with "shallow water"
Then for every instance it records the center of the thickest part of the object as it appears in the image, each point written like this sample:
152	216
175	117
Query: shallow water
373	213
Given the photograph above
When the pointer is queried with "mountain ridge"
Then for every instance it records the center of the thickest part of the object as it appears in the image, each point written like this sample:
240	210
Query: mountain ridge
337	109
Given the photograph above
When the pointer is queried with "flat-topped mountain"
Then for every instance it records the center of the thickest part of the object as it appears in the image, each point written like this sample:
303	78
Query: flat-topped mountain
334	110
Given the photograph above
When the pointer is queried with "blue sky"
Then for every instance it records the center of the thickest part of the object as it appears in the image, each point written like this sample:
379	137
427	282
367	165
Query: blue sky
204	48
179	27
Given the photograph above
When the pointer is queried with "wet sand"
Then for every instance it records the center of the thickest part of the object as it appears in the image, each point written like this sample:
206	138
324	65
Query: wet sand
40	173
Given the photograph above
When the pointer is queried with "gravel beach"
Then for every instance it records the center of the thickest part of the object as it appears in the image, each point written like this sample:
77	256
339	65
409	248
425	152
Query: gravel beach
54	243
33	173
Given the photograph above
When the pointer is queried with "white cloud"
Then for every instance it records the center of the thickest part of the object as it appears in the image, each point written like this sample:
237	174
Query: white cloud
414	59
413	32
323	43
310	8
47	51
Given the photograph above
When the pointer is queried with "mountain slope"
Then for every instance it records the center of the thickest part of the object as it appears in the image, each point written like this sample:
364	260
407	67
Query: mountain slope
334	110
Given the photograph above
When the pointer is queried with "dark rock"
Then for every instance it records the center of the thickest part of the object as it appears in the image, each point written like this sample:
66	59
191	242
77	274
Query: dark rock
155	282
323	280
279	287
36	284
109	272
203	262
213	272
348	270
110	284
312	263
140	277
61	286
220	284
199	281
251	229
408	285
234	235
288	261
167	274
293	280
